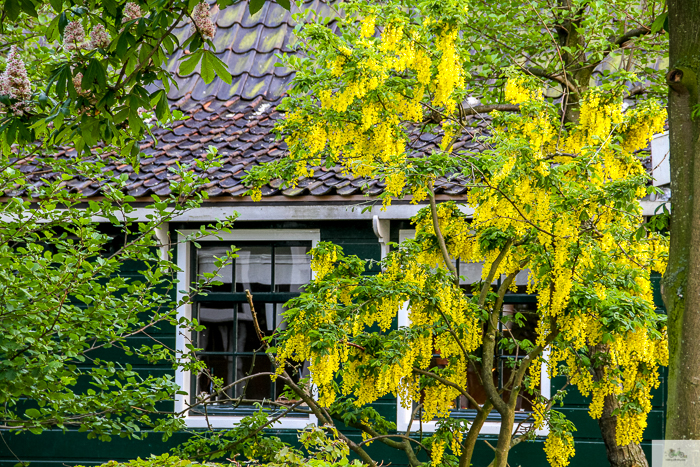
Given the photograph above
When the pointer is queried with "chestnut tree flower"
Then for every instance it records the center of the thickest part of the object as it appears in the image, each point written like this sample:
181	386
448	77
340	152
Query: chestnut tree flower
14	81
132	11
99	37
202	21
73	36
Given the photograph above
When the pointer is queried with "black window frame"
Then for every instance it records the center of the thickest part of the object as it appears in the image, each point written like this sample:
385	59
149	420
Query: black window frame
235	298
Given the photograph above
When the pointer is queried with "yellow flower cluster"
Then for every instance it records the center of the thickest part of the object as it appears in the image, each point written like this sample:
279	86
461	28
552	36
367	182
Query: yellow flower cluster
450	75
517	91
643	123
600	112
539	412
367	27
362	120
559	449
437	452
322	264
630	427
395	184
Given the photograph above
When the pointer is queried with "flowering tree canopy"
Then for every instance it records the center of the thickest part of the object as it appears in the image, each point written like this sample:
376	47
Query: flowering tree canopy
553	195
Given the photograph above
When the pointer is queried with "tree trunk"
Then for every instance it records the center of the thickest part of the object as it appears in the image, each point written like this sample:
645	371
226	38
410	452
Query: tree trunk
681	281
630	455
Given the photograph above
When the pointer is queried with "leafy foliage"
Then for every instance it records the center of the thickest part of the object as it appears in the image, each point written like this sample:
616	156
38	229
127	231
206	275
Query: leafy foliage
554	193
79	279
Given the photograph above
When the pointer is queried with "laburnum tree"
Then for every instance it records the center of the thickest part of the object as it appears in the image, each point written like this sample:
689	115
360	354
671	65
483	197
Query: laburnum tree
555	193
82	84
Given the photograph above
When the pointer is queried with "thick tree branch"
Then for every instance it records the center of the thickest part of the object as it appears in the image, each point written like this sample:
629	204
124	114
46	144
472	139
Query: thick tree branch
482	109
449	383
469	442
629	35
559	78
441	240
492	273
489	346
620	41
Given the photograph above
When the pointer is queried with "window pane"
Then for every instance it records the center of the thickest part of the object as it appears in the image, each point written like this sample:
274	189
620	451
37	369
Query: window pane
217	335
470	271
206	263
523	328
296	374
232	348
255	388
220	366
247	339
521	281
520	321
254	269
292	268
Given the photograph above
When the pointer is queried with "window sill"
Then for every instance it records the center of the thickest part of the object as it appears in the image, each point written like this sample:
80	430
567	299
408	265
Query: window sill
228	422
488	428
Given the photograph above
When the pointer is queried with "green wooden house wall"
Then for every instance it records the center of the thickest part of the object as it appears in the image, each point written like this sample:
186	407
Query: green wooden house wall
58	448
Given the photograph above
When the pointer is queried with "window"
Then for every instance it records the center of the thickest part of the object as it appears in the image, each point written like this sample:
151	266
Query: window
273	265
518	302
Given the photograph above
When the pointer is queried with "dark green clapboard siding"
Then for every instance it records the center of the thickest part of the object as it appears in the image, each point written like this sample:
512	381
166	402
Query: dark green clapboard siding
55	448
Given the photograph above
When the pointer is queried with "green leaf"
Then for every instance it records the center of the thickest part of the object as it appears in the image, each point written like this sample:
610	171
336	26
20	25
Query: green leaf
52	29
284	4
28	8
207	68
661	22
110	6
162	106
12	9
218	65
62	22
255	5
188	64
32	413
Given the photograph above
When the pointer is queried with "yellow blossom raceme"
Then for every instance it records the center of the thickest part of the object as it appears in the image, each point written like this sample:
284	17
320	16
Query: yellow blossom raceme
449	75
395	183
438	451
391	37
538	413
316	139
322	369
600	115
337	66
367	26
456	443
630	428
517	92
370	115
641	125
559	449
322	264
325	96
421	65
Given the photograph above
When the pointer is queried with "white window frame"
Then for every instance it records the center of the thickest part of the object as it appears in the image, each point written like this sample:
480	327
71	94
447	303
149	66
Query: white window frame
403	415
183	378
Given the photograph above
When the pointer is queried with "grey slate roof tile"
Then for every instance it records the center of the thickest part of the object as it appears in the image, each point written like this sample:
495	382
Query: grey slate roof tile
238	119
